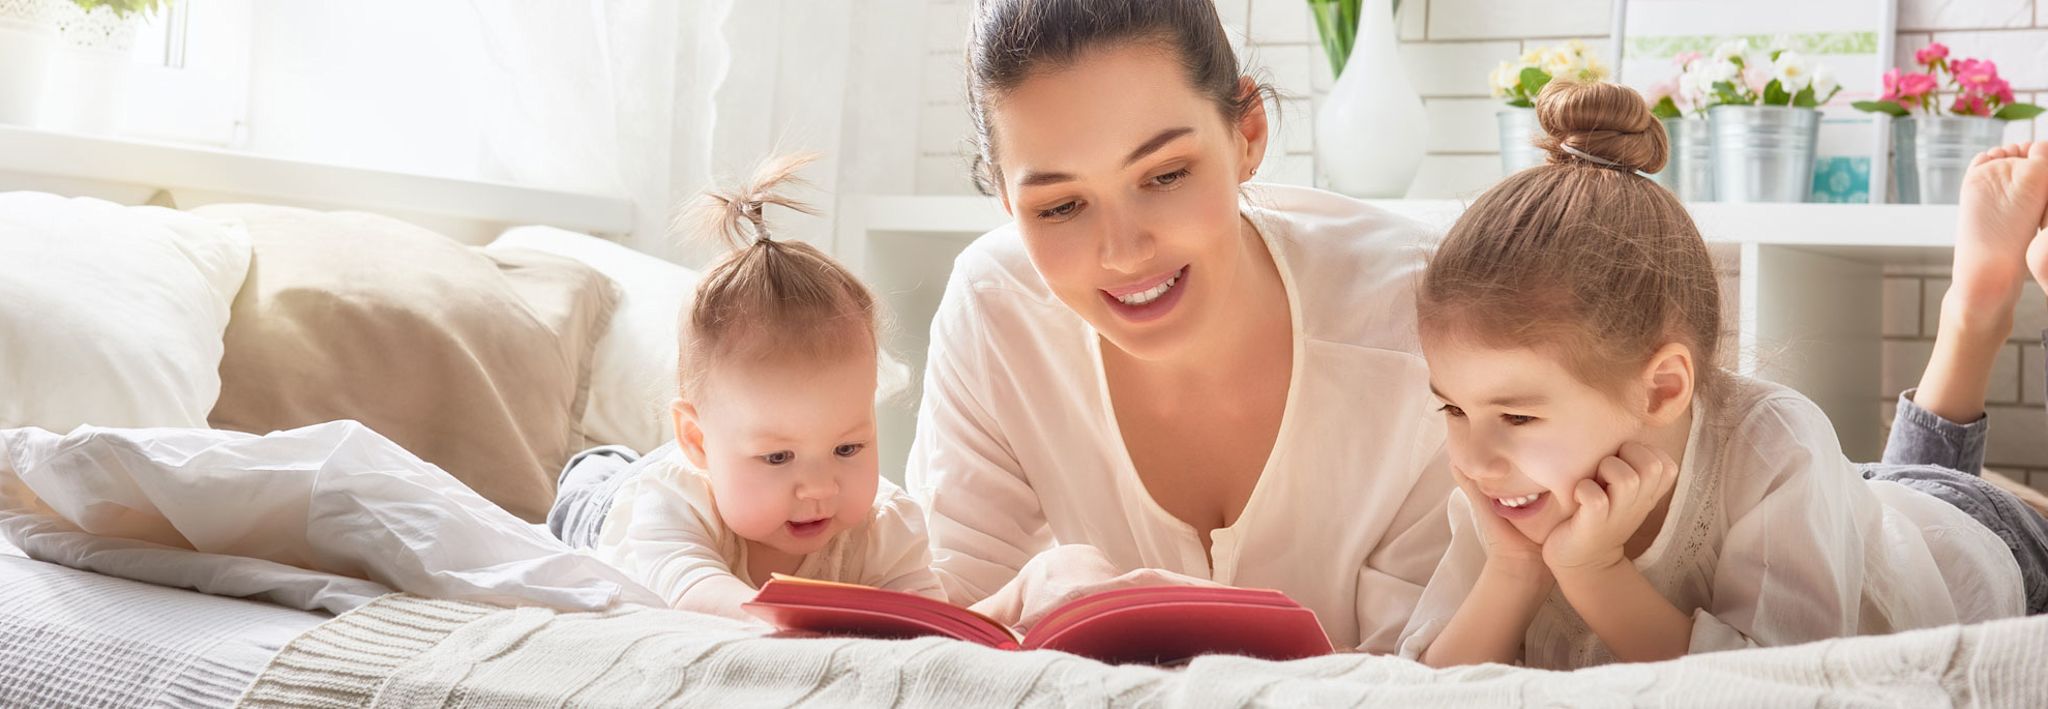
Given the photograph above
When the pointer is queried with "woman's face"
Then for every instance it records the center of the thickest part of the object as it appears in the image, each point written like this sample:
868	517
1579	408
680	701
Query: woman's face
1124	183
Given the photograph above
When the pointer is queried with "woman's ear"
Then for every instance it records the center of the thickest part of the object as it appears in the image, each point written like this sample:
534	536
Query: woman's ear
689	435
1254	128
1669	379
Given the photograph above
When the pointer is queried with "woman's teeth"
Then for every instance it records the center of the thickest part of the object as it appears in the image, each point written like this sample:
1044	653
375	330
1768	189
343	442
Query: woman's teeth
1522	501
1147	296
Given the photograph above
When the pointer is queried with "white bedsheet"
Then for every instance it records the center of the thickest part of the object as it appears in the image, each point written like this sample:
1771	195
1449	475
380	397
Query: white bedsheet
323	517
75	638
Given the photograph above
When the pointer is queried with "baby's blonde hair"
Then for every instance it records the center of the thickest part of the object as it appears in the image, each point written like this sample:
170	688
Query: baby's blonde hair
768	299
1581	257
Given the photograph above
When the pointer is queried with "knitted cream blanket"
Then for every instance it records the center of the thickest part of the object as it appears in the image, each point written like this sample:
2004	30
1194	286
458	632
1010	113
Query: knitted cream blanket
405	651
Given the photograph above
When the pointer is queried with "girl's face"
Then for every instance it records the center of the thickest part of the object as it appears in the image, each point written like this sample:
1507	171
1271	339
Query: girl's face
1523	429
1124	183
789	448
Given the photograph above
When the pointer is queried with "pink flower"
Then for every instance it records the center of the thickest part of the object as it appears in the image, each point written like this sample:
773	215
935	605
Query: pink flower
1927	56
1975	74
1685	59
1970	105
1908	89
1756	77
1662	90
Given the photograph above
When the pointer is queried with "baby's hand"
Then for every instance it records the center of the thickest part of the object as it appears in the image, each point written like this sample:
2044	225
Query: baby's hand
2004	199
1629	486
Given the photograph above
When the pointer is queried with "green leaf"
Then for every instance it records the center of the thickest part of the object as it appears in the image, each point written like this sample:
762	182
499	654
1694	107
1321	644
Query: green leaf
1666	108
1533	79
1774	94
1519	102
1724	92
2018	112
1890	107
1804	99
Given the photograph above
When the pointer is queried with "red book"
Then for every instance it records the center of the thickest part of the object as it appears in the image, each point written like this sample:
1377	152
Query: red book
1160	625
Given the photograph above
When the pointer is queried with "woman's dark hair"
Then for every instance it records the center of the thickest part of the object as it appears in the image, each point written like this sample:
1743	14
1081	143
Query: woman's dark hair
1015	39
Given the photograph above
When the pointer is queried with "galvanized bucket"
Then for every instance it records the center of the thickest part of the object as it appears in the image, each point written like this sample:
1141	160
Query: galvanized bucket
1689	173
1763	153
1518	134
1931	154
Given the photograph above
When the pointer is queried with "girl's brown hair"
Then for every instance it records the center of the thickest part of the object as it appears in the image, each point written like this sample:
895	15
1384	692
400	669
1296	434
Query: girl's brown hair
768	299
1015	39
1582	257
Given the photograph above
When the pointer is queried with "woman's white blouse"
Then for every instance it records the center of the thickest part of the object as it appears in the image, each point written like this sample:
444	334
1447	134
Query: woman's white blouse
1773	539
1018	448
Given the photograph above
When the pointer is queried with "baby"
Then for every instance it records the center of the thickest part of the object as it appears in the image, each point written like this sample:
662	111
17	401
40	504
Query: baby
773	470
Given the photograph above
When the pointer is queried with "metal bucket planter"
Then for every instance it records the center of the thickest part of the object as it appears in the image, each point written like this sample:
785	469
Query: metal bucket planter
1518	134
1689	173
1931	154
1763	153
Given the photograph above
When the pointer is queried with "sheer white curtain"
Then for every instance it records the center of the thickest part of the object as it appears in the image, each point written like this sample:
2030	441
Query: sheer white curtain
610	97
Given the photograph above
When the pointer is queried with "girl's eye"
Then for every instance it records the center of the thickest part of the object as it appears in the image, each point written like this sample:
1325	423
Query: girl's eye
778	458
1060	213
1452	411
1515	419
1170	179
849	450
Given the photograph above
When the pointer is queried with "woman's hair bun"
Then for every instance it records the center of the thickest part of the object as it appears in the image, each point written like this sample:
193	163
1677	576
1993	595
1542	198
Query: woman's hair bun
1607	121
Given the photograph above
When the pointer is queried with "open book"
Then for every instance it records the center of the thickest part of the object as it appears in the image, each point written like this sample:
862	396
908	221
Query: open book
1159	625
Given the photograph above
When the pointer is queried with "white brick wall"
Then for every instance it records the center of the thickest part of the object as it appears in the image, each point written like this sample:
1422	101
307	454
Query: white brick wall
1448	47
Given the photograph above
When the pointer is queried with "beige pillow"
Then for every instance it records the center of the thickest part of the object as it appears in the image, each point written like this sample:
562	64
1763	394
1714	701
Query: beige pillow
478	363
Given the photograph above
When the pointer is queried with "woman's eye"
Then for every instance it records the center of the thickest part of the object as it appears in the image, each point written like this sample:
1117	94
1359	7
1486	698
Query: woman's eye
849	450
1516	419
1170	179
1452	411
1060	212
778	458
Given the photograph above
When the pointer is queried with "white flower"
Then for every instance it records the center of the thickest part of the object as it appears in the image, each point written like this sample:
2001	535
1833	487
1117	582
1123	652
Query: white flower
1824	83
1730	50
1792	71
1504	79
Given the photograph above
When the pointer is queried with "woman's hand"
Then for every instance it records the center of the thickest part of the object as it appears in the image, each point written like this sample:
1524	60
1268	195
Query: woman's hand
1062	574
1623	492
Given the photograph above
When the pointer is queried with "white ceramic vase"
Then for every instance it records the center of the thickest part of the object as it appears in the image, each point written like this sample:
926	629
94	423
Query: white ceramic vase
1371	131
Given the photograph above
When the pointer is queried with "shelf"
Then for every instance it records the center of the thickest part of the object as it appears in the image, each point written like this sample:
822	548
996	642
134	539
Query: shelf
191	175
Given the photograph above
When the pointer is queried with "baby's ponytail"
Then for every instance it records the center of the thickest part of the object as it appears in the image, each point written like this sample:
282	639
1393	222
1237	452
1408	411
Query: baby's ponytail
768	298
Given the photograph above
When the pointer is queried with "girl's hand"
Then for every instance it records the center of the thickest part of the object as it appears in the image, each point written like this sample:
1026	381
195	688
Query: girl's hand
1505	545
1623	492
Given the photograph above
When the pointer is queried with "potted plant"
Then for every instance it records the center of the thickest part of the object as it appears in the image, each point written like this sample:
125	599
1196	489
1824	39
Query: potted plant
1371	131
1680	103
1765	119
1518	82
1932	150
80	46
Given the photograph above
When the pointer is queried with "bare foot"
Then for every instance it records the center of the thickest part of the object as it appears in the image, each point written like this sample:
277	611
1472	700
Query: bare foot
2003	201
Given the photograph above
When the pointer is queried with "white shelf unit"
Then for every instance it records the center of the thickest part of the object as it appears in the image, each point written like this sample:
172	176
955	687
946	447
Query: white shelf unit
1804	286
136	171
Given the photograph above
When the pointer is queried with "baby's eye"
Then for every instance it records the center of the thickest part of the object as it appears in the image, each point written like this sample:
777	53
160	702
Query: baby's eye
1516	419
778	458
1452	411
849	450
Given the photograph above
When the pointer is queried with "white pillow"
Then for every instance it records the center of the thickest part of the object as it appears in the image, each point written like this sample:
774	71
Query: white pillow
634	377
112	315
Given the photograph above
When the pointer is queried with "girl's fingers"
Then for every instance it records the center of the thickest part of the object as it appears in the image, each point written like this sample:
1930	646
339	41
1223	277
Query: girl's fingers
1620	477
1593	501
1655	467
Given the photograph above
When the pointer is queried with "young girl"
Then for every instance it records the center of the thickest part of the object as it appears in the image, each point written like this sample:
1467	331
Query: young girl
773	469
1621	497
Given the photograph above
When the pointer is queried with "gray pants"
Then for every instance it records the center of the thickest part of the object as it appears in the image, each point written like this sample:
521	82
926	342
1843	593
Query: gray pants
1943	458
585	491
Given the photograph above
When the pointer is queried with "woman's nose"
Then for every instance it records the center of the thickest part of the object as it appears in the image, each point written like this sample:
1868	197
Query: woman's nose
1126	246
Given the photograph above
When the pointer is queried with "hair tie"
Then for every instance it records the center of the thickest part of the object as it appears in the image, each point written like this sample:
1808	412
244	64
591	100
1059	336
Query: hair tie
1597	160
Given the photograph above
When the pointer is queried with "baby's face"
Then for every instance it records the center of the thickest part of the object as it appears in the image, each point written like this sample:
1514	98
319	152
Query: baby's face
790	448
1523	429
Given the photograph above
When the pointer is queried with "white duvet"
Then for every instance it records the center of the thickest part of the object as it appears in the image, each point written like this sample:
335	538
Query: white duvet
324	517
